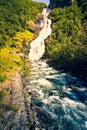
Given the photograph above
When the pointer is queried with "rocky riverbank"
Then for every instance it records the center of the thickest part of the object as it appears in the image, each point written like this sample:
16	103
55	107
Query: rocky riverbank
12	107
54	100
15	109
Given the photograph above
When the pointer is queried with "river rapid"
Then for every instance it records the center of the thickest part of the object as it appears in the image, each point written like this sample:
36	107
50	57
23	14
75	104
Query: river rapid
54	100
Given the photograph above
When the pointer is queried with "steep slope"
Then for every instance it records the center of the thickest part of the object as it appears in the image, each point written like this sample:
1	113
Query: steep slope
16	26
16	31
67	46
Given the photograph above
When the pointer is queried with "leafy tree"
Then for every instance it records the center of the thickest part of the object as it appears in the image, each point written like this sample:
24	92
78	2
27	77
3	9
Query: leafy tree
67	46
14	31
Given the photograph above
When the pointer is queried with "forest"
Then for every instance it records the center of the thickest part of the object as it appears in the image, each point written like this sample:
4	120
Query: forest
66	48
16	31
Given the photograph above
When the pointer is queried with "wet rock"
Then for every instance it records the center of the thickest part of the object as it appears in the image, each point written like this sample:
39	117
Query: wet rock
15	115
9	115
37	102
60	3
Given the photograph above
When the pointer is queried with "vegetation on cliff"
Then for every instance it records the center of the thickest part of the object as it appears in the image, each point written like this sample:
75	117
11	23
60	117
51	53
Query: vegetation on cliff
67	46
15	32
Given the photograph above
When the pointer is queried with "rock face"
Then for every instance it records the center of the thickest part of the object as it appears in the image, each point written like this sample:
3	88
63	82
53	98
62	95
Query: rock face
14	114
60	3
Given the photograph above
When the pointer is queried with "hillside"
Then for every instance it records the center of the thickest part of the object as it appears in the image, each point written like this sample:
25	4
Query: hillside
26	98
67	46
16	31
16	21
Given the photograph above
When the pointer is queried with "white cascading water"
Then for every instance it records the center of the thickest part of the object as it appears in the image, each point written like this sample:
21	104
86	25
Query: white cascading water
37	46
54	100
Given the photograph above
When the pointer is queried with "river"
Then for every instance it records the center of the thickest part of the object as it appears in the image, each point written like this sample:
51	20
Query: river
37	46
54	100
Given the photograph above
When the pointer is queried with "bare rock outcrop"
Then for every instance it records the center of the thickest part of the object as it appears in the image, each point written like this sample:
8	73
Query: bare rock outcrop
60	3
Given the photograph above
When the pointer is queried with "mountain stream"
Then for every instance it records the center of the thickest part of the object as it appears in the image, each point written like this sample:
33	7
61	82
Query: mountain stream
54	100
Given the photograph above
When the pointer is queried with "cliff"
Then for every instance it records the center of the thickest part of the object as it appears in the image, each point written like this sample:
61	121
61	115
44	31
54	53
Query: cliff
60	3
12	107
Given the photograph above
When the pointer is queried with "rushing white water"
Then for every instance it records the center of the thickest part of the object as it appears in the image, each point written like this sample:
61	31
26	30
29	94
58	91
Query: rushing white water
37	46
55	100
58	100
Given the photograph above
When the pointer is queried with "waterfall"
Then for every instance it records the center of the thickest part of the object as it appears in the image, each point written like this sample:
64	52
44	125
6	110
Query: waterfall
54	100
37	46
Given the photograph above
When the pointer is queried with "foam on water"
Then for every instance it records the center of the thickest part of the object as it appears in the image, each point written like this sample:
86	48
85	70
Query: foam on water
58	99
37	46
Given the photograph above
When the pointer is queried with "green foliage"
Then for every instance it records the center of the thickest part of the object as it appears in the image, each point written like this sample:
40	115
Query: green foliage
2	94
26	71
2	78
67	46
14	32
8	60
18	39
14	15
13	108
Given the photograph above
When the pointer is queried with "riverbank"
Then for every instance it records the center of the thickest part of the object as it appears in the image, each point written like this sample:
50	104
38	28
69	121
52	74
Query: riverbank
53	97
69	70
12	107
13	114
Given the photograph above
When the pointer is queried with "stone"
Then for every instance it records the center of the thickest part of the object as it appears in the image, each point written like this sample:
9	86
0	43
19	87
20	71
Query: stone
60	3
37	102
